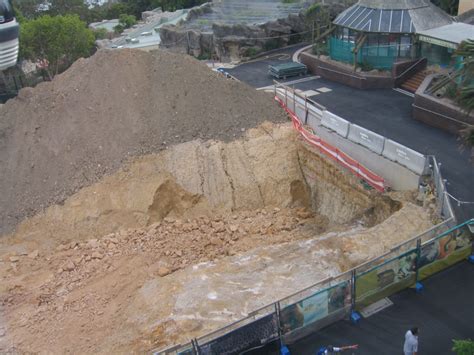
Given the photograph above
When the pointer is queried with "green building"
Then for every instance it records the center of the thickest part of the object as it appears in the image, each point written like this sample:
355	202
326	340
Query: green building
377	33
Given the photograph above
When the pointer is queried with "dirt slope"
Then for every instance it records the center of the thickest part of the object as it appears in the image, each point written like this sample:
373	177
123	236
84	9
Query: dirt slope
66	134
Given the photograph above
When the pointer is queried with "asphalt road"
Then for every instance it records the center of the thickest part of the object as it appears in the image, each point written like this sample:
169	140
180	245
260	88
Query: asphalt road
388	113
443	311
255	73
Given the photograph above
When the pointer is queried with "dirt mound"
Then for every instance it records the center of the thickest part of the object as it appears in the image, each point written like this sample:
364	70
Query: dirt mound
68	133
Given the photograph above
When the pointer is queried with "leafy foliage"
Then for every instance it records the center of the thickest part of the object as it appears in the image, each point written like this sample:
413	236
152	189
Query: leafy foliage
97	12
463	347
465	96
450	6
59	39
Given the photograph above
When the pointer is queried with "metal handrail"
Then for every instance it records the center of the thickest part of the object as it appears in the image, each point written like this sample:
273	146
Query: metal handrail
410	68
340	72
441	115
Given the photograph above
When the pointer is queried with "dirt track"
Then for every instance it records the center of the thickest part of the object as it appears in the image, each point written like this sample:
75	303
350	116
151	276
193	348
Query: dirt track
66	134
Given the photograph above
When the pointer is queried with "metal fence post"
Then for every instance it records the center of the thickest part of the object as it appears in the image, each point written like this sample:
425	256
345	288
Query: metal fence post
277	312
195	345
418	258
294	100
306	113
353	290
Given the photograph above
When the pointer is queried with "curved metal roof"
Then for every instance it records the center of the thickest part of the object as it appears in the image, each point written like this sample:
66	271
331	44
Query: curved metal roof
391	16
394	4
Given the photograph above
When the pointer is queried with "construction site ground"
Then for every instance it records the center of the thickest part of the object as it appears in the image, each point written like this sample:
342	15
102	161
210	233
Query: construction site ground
148	208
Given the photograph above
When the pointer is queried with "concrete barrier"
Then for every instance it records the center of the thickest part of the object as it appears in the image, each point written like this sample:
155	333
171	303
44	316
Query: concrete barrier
335	123
280	94
313	121
301	112
407	157
369	139
397	176
313	110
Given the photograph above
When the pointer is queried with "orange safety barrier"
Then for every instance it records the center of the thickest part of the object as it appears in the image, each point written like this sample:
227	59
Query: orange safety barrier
335	154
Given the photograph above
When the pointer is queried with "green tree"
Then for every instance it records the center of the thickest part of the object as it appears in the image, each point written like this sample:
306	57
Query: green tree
116	9
127	21
464	81
317	19
68	7
59	39
450	6
100	33
463	347
465	73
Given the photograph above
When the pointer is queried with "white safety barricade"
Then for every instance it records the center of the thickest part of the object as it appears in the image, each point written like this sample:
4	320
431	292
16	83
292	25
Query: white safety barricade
335	123
301	112
280	93
369	139
315	110
405	156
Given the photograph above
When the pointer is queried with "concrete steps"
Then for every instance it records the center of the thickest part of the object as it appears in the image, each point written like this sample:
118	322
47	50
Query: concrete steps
414	82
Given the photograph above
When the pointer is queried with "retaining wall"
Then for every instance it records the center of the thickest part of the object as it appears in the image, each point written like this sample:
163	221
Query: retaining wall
339	73
439	113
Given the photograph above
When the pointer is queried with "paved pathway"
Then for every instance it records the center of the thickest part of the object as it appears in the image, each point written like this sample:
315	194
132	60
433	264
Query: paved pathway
444	311
388	113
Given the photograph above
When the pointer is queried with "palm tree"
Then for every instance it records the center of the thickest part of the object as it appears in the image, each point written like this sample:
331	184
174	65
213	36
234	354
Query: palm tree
465	92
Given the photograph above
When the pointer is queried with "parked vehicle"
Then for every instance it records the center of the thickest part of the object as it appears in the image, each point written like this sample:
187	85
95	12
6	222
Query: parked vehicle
285	70
9	31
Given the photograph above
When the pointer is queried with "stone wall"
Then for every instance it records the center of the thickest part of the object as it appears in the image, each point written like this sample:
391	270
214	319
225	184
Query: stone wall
439	112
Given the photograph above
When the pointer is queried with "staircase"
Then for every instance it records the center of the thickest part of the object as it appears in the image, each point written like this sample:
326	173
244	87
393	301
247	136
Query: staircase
414	82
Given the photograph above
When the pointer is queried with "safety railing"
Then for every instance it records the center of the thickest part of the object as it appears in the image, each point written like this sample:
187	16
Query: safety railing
316	116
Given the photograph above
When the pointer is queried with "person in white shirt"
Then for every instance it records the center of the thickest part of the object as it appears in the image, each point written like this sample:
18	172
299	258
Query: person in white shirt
410	347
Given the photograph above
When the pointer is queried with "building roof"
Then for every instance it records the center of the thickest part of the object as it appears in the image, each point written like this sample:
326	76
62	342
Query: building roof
393	16
466	17
452	34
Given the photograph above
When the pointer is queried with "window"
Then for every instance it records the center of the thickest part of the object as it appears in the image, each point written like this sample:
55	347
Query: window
405	46
6	11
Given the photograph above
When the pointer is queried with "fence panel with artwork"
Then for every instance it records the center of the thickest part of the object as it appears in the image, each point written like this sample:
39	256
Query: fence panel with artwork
386	279
335	300
444	251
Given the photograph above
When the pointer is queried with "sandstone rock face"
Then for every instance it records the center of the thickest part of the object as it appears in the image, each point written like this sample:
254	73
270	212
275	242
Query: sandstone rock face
233	42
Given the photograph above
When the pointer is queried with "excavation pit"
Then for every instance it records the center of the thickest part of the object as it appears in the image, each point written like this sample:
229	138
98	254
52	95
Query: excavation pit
180	243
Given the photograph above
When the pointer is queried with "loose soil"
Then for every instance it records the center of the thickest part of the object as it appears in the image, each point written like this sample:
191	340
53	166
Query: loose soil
182	242
125	251
68	133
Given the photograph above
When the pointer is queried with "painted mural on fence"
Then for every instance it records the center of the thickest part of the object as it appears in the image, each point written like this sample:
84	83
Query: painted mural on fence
315	307
390	273
443	252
